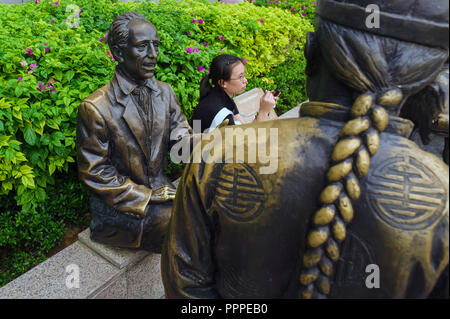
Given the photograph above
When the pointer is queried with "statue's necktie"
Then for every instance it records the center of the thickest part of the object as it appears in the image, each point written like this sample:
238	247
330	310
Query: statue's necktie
142	95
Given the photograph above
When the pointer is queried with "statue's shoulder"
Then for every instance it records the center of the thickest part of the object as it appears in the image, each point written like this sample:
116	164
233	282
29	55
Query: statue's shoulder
99	97
163	86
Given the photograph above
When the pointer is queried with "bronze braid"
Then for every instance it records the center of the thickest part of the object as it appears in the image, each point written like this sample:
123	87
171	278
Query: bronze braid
350	161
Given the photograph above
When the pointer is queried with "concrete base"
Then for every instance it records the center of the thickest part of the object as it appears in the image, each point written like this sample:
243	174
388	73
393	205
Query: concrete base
103	272
90	270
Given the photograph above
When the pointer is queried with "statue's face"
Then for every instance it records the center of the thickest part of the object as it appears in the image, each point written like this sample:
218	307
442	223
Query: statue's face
142	51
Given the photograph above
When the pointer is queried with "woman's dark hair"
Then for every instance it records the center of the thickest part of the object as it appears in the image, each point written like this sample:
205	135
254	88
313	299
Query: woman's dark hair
220	69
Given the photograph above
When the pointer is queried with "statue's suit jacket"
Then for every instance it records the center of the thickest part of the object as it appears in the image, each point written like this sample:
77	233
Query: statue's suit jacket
114	160
237	232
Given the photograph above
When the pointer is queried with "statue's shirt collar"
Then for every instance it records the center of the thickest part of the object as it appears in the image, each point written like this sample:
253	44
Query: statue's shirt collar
336	112
128	85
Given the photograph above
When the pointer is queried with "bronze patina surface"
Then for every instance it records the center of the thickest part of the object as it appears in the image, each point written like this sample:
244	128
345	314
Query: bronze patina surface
350	190
124	132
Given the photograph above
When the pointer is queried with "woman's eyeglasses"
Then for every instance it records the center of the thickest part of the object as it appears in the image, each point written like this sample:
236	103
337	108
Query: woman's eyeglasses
241	78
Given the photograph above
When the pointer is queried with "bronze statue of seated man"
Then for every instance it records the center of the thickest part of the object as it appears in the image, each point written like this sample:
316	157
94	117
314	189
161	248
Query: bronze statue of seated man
124	132
355	209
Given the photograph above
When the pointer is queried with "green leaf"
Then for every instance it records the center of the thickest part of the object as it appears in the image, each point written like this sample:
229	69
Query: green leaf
34	157
40	194
58	75
30	135
7	186
25	169
51	168
69	75
28	181
66	101
41	181
10	153
18	91
45	140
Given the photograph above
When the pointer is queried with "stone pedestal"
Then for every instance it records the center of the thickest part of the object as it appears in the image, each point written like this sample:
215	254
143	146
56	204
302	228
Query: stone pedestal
103	272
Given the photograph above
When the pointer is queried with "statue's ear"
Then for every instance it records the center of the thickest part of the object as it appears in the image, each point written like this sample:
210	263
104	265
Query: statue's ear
117	53
312	53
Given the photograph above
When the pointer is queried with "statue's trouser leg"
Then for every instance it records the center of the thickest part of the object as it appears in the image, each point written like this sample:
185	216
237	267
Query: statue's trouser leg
155	226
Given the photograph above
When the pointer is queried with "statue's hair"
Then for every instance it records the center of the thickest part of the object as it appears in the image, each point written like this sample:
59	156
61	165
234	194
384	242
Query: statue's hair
118	31
381	71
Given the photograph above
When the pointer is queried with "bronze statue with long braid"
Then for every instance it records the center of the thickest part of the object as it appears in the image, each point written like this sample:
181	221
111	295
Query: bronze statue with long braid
351	191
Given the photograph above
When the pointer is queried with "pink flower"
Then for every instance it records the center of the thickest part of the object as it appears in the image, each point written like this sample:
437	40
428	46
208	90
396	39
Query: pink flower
33	66
200	21
193	20
45	43
261	20
276	1
188	33
47	49
200	68
268	1
29	51
19	79
207	70
205	44
221	38
196	50
303	7
79	11
244	60
189	49
112	59
56	3
101	39
304	14
314	3
106	36
52	20
50	88
37	1
40	87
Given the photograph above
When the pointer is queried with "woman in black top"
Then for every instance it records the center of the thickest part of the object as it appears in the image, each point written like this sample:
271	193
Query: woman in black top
226	78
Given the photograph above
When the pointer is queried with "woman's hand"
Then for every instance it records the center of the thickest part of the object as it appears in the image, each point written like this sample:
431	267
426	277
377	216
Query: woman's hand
267	102
265	106
238	118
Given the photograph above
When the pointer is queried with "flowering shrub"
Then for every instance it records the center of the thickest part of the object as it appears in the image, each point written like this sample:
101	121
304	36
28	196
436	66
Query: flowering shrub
303	8
54	54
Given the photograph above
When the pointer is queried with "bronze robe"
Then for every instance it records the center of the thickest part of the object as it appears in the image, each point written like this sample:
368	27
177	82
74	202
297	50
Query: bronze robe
237	233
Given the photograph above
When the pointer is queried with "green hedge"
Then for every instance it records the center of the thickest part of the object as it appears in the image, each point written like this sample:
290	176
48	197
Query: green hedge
52	56
303	8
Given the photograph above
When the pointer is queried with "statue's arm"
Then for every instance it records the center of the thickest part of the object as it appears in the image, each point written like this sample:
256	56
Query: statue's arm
179	126
186	263
96	170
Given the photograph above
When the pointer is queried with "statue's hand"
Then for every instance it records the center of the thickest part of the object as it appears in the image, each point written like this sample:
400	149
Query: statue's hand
224	123
163	194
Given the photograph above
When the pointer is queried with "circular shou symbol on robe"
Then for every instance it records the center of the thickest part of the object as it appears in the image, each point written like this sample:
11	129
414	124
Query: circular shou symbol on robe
406	194
239	192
